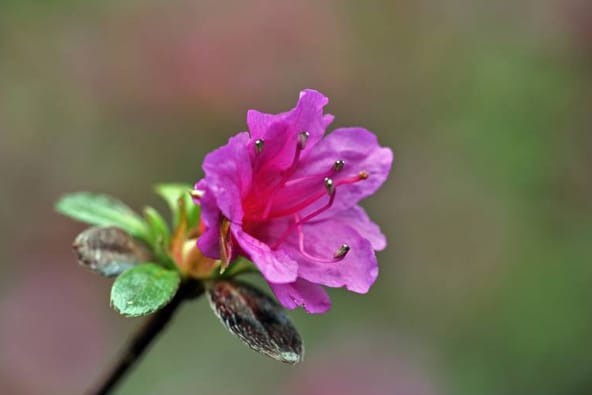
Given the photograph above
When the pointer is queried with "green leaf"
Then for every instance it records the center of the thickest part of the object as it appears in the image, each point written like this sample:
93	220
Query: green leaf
144	289
160	237
171	193
102	210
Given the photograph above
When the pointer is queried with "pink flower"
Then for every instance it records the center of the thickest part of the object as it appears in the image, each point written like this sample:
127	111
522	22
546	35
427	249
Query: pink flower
286	198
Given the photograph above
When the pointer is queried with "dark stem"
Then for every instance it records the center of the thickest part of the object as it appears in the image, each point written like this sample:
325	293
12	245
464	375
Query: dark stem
145	336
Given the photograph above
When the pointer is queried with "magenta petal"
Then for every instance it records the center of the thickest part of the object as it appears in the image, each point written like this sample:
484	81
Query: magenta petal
276	266
280	131
306	116
357	218
312	297
209	241
228	175
210	214
357	271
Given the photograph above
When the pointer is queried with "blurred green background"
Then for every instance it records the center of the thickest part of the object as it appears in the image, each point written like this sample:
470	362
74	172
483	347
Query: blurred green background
485	286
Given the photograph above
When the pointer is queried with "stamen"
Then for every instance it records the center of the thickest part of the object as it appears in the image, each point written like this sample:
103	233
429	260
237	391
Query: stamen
310	216
302	139
259	143
337	167
316	258
361	176
299	221
342	251
294	209
329	185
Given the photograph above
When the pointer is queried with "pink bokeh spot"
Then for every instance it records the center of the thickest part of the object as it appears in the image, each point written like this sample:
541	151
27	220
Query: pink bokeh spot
52	332
369	363
211	55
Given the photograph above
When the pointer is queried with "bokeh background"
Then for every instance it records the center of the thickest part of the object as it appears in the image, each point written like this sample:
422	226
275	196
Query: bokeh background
485	288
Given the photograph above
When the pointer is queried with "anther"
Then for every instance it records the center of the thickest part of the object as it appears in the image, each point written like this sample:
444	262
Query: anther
259	143
363	175
338	165
329	185
342	251
302	139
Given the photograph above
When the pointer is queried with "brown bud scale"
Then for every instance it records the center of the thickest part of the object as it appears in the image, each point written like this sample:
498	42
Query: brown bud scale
256	319
109	250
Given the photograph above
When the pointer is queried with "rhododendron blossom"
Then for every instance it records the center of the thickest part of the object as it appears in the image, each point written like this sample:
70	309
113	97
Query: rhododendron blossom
286	196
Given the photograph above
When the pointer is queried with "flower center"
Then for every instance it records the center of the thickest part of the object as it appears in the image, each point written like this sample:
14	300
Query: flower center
294	200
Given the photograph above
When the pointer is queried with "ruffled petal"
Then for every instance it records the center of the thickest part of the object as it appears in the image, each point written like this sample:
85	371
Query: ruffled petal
280	131
360	151
228	176
312	297
209	242
357	271
210	214
306	116
357	218
276	266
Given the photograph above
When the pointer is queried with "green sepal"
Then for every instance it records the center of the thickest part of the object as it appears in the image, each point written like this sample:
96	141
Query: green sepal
160	236
103	210
171	193
144	289
239	266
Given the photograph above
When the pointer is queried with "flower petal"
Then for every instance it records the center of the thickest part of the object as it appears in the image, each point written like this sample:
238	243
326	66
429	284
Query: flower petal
228	175
357	218
276	266
360	151
357	271
210	214
280	131
306	116
209	242
312	297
